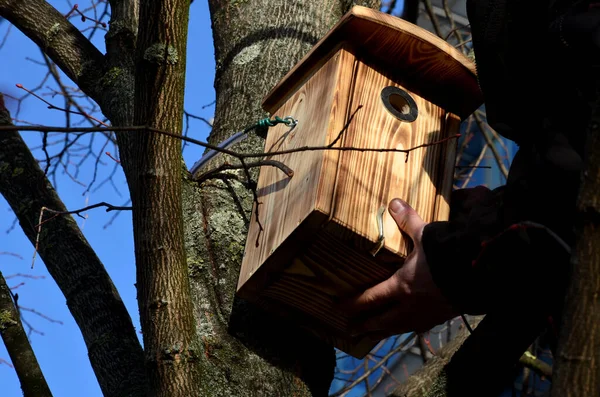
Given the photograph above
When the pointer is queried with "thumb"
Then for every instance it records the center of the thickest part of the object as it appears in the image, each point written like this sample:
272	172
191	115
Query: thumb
406	218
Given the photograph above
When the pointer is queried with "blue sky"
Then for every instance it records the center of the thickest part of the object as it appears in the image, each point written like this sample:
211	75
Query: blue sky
61	351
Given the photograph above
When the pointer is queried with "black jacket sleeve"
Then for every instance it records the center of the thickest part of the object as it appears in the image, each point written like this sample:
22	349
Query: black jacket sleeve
512	244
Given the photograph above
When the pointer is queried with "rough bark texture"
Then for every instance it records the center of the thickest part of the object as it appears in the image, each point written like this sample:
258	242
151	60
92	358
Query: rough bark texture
17	344
152	164
577	368
113	347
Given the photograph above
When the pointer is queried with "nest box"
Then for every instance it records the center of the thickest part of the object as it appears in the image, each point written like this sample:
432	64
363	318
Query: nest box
374	81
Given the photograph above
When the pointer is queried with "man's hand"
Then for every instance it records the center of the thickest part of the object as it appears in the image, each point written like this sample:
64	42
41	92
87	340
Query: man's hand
409	300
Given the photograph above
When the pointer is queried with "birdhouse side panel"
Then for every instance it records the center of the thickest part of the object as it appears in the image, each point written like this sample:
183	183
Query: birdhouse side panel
369	180
447	168
285	203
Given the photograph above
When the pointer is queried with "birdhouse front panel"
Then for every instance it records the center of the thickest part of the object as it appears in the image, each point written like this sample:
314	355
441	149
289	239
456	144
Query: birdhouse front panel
325	233
368	181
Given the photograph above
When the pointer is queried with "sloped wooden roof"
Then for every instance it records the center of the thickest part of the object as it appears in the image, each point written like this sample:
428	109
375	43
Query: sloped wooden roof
420	61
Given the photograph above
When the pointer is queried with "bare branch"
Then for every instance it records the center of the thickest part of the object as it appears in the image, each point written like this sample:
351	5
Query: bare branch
17	344
484	130
261	163
109	207
540	367
42	128
379	364
64	43
433	18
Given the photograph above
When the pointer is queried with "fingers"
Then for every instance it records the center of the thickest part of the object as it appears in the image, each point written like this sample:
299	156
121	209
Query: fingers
374	297
407	219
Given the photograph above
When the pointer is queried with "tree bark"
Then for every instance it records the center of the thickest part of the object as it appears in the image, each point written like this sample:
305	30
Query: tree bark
577	366
19	349
152	165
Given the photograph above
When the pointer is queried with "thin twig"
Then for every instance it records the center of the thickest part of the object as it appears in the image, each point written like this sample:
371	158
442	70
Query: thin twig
453	29
41	221
226	166
51	106
27	309
472	171
408	339
88	130
432	17
488	140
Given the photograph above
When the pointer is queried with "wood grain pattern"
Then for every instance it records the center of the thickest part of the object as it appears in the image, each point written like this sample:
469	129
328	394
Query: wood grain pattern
369	180
425	63
287	202
320	225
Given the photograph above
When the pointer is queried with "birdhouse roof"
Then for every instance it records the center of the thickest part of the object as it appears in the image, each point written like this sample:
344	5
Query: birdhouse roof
420	61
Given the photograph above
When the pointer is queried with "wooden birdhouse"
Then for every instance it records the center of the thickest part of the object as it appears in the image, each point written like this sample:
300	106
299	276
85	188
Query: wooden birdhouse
376	82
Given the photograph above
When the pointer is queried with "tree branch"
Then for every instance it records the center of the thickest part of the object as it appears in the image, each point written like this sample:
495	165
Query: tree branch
472	363
19	349
261	163
113	348
540	367
490	143
79	59
229	152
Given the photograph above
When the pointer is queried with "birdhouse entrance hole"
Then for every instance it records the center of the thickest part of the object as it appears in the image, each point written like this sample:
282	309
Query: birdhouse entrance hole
400	104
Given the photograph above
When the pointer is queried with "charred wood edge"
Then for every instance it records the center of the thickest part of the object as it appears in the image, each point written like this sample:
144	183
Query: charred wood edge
64	248
19	349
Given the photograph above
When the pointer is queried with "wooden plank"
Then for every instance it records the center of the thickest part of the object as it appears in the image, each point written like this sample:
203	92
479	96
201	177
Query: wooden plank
369	180
444	185
287	202
339	115
429	65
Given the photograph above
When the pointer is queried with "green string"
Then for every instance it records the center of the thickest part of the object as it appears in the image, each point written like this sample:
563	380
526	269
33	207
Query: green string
267	122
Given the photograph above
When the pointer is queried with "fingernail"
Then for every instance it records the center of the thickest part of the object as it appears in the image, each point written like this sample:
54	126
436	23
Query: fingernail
396	206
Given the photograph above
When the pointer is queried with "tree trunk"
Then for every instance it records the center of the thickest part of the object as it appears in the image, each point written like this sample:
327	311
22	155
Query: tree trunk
577	366
152	165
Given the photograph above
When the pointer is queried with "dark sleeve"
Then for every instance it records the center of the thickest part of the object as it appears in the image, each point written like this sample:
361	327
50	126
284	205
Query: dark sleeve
503	246
451	247
480	263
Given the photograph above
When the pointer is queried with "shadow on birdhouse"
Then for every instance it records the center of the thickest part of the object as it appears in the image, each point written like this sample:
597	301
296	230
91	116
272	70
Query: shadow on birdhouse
373	82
